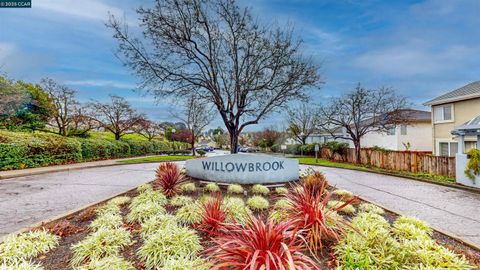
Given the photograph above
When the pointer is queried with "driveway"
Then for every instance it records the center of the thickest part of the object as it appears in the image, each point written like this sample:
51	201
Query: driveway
448	209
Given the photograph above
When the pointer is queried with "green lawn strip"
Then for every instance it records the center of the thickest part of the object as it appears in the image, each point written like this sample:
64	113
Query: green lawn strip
328	163
155	159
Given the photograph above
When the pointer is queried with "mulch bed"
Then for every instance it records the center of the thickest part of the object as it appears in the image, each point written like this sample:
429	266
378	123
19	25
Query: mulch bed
59	257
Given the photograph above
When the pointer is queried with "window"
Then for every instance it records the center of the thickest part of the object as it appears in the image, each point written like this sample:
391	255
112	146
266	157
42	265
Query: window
403	129
391	131
443	113
448	149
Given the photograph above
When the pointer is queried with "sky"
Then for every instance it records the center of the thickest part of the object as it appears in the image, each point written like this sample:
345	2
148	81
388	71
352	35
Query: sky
420	49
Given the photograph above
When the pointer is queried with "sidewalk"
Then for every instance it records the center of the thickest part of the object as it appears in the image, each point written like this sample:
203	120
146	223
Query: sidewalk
62	168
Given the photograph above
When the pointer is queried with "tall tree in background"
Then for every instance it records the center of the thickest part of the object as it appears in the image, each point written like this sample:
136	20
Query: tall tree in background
266	138
148	129
63	103
363	111
302	121
196	115
216	49
117	116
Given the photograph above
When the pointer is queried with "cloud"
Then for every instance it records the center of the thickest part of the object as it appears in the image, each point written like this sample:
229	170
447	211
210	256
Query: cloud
102	83
85	9
6	49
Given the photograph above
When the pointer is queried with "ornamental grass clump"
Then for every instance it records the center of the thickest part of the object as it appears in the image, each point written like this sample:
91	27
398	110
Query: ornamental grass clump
107	263
21	265
158	222
190	213
309	215
107	209
257	203
235	189
188	188
313	183
102	243
142	212
121	200
174	243
347	209
278	215
211	187
260	190
25	246
259	245
149	197
186	263
107	220
370	208
169	178
281	191
180	200
420	224
343	194
282	204
213	216
236	210
145	188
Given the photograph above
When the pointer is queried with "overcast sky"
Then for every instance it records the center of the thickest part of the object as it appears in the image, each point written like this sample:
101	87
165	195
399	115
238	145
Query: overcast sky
420	48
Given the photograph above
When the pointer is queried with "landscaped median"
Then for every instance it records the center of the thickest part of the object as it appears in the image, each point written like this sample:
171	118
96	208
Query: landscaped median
179	223
335	164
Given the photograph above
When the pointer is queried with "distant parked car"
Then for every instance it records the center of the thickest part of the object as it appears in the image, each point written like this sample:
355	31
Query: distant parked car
204	147
248	149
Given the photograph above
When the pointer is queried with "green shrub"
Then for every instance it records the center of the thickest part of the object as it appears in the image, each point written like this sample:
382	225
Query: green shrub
158	222
235	189
281	190
185	263
102	243
257	203
473	165
20	265
173	243
108	263
348	209
142	212
190	213
370	208
188	188
260	189
343	194
26	246
201	153
211	187
179	200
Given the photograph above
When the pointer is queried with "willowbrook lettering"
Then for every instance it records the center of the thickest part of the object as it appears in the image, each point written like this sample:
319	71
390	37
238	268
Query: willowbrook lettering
242	167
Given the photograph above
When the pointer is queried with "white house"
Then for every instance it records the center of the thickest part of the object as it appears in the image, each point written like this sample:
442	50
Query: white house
414	136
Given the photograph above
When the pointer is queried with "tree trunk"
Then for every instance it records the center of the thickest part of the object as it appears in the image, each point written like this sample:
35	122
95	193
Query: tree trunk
356	143
192	143
233	141
117	136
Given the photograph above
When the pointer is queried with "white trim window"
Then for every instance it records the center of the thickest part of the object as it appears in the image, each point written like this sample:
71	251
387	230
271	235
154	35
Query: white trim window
447	149
443	113
403	130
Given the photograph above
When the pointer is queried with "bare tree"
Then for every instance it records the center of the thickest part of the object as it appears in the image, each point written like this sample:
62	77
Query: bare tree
218	50
363	111
117	116
63	103
148	129
196	115
302	121
82	122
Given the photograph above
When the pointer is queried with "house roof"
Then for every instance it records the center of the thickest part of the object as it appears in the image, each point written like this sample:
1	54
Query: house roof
471	127
469	91
418	115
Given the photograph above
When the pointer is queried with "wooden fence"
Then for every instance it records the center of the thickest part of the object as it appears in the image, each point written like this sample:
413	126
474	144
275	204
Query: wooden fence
409	161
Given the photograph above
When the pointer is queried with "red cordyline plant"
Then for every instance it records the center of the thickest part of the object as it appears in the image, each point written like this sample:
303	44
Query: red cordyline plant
259	245
213	216
309	215
169	178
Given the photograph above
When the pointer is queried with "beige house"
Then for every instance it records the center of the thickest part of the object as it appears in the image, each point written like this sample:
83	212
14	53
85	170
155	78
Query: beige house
451	110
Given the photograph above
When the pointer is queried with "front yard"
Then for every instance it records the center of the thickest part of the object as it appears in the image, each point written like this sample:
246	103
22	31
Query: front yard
173	224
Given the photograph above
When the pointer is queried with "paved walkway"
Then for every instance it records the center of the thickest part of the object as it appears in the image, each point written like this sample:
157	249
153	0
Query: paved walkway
448	209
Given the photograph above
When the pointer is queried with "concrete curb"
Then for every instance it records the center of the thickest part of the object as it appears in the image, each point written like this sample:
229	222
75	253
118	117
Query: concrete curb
449	234
66	214
471	189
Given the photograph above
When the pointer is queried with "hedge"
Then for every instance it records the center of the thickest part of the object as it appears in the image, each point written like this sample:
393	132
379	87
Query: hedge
27	150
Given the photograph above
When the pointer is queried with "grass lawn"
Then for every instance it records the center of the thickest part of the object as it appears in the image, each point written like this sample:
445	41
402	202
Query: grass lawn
155	159
328	163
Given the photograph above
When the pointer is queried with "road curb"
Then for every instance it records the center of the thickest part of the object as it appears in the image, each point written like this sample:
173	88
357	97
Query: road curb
471	189
449	234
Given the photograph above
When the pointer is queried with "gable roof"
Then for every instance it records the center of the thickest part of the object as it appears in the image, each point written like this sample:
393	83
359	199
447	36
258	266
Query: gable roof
469	91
